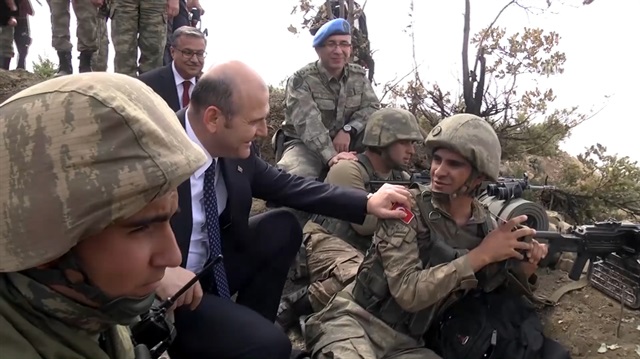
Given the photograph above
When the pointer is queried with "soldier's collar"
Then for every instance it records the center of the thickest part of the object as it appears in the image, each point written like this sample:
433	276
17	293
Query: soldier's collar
323	71
478	213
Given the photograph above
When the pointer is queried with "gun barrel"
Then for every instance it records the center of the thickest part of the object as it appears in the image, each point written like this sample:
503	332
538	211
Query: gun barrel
543	187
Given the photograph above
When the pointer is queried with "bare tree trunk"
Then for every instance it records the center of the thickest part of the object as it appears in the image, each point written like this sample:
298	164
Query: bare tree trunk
467	84
342	14
350	12
328	10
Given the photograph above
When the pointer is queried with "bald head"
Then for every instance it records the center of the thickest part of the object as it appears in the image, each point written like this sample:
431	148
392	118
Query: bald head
225	86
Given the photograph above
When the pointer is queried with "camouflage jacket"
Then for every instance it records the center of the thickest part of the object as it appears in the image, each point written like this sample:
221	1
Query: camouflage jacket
38	323
317	105
418	265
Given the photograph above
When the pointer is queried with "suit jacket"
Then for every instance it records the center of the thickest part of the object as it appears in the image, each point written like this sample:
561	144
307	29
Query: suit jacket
253	177
162	81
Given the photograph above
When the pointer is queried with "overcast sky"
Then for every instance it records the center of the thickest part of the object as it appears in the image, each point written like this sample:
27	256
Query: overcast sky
597	40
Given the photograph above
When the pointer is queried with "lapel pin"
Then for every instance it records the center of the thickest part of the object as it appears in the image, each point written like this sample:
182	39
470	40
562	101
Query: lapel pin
239	169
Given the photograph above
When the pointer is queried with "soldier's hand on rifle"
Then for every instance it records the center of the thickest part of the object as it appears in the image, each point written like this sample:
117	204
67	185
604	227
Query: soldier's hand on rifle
534	256
502	243
342	156
173	7
195	3
97	3
538	252
176	278
341	141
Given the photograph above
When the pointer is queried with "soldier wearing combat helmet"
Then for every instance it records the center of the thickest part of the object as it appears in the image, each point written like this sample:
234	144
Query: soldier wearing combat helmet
90	165
446	246
334	248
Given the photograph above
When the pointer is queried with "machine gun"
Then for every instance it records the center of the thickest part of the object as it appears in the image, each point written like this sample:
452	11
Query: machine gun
153	334
194	20
613	249
421	177
510	187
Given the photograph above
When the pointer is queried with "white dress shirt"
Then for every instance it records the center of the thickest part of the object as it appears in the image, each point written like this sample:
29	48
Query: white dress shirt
199	246
180	86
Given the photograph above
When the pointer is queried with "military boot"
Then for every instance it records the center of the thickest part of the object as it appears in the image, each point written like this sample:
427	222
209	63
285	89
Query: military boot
64	63
292	307
22	60
85	61
5	62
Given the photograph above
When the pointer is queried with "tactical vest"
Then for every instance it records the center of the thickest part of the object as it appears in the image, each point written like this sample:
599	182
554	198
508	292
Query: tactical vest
343	229
440	243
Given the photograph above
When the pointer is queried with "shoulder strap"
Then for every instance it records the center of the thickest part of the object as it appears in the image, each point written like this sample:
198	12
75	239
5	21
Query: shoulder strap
366	169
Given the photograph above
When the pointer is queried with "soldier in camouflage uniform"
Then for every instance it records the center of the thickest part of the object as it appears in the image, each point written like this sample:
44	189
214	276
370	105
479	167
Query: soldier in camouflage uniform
446	245
335	248
91	164
6	46
101	57
140	24
86	32
327	104
21	34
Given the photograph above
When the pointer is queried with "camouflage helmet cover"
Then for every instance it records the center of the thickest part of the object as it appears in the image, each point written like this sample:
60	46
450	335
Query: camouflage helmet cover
388	125
470	136
79	152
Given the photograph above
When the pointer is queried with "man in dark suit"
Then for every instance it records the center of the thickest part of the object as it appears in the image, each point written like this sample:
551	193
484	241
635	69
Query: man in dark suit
228	111
175	82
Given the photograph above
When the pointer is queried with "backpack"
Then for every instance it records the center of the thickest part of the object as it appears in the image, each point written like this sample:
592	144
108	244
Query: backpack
495	325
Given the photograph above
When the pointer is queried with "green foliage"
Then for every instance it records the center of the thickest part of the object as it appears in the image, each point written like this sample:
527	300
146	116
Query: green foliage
44	68
506	86
600	185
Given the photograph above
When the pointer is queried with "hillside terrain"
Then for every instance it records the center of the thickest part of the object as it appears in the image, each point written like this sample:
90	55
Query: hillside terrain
583	320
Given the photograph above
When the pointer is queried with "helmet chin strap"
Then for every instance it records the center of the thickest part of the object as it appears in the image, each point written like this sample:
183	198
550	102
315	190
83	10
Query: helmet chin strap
68	272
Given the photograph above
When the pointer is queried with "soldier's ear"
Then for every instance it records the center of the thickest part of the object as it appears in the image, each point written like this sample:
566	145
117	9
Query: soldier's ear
478	181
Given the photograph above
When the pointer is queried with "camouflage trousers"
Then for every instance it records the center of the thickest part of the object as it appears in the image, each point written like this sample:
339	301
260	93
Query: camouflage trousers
332	264
86	29
138	24
101	57
6	42
345	330
299	160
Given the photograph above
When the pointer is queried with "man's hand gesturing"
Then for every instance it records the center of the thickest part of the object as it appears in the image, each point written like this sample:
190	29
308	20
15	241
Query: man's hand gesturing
380	203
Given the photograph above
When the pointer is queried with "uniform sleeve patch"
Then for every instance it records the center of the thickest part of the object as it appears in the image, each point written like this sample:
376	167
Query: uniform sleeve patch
408	214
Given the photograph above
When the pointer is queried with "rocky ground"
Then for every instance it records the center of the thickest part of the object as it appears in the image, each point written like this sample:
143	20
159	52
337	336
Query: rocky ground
584	320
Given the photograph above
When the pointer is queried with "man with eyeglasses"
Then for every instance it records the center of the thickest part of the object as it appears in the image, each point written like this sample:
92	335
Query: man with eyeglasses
327	105
175	82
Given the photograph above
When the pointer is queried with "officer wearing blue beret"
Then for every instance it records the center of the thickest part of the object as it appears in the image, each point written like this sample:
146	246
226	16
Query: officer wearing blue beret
337	26
327	104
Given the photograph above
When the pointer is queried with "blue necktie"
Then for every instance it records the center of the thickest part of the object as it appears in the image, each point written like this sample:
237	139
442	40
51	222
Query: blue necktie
213	229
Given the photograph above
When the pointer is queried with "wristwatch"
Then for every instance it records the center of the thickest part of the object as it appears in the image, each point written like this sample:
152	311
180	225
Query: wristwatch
349	129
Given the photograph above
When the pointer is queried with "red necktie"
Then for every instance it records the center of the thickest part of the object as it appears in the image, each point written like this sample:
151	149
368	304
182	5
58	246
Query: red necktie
185	94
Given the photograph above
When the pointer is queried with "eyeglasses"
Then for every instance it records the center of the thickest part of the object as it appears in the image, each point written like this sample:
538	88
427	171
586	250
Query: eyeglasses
332	45
187	54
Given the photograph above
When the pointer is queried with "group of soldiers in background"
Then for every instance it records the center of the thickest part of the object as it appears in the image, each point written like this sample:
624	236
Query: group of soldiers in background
135	24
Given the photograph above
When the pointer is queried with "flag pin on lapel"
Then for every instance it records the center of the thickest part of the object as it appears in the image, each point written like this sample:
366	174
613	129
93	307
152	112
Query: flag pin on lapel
239	169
